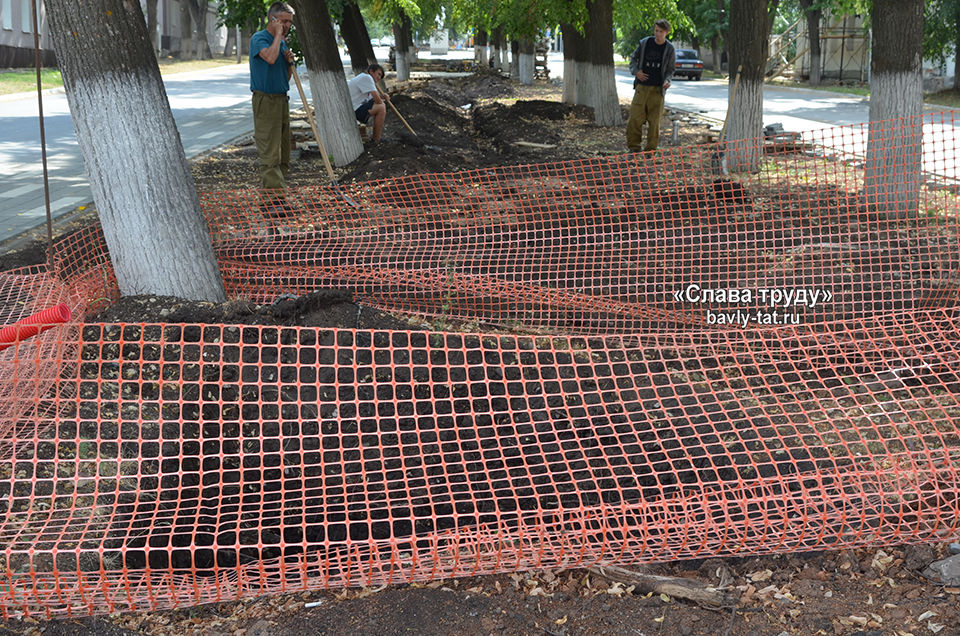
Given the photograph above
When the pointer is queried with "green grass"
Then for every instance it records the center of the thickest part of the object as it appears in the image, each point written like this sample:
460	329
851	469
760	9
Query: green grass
24	80
944	98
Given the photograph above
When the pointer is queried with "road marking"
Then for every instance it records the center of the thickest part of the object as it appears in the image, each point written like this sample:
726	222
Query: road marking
54	206
9	194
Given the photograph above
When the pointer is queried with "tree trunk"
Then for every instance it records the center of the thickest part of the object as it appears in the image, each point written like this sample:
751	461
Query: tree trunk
147	202
245	35
198	13
748	39
480	48
525	62
231	41
894	144
574	53
715	52
515	59
813	35
400	37
411	45
495	48
152	25
504	53
355	36
328	85
186	31
597	84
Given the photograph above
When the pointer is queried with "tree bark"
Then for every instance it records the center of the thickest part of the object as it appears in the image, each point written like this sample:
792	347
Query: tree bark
401	38
525	62
198	13
813	15
142	186
186	31
480	48
355	36
495	36
328	85
231	41
748	39
597	82
894	143
574	54
715	52
152	25
515	59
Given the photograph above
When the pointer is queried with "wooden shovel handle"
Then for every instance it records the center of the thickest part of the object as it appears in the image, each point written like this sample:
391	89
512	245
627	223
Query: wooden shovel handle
412	131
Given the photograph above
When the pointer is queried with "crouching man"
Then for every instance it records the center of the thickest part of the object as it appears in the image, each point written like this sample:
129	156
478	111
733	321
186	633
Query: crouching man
367	101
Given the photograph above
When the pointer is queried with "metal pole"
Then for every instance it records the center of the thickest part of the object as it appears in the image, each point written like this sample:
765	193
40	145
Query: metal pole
43	138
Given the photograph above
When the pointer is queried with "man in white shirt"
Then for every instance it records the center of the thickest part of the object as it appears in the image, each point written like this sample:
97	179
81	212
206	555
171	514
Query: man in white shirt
367	100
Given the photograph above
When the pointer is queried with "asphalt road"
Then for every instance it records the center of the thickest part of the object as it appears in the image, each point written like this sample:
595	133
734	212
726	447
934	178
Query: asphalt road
212	107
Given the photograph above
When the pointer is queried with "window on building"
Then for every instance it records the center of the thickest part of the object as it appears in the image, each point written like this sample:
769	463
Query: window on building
6	14
26	17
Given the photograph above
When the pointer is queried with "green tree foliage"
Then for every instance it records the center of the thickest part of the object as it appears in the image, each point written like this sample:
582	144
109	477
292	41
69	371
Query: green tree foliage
633	20
941	29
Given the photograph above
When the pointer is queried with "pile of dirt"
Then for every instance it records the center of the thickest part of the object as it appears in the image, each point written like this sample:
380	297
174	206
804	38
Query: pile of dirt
465	91
530	121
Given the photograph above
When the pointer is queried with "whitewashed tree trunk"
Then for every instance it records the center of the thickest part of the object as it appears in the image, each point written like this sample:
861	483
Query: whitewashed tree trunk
403	68
495	56
597	88
328	85
186	31
525	68
574	52
596	75
401	58
481	56
334	116
750	25
142	186
745	127
895	141
570	86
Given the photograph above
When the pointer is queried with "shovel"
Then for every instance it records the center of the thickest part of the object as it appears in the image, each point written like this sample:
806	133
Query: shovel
323	152
719	161
382	87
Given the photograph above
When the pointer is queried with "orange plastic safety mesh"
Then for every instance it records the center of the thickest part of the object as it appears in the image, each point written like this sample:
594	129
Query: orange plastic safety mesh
624	411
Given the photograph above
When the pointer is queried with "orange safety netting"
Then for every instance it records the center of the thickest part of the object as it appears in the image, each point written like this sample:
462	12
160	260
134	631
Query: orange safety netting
658	361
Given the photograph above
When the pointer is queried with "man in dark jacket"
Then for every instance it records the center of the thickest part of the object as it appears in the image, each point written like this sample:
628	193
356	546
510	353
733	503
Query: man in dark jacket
652	64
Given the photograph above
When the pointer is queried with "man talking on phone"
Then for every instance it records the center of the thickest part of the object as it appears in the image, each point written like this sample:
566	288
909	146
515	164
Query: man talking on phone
271	64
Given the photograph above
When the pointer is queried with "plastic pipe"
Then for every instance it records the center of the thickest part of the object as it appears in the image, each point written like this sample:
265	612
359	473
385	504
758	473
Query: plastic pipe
32	325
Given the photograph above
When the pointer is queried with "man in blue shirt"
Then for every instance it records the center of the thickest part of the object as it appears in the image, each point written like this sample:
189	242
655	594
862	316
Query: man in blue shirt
271	63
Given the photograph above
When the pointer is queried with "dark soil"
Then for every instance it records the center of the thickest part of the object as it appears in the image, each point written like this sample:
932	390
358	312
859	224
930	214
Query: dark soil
323	308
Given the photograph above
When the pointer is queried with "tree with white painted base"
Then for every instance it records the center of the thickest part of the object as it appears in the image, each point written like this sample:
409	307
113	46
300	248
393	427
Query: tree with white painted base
895	141
525	61
328	84
142	186
596	79
750	25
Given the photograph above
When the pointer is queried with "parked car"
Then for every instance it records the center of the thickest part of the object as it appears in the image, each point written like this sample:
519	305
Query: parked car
689	64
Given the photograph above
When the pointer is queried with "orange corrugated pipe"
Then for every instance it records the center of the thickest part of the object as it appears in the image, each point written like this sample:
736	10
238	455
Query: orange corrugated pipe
32	325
